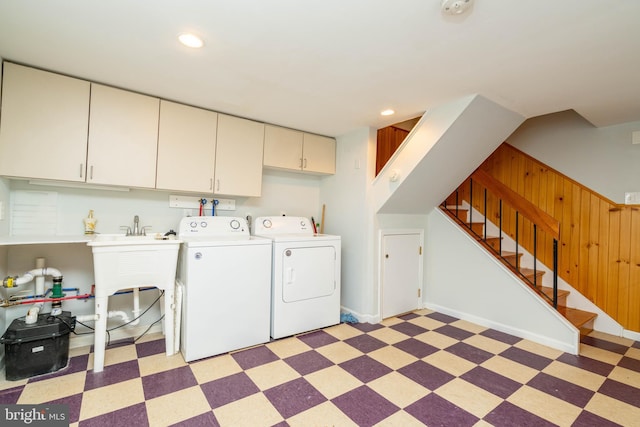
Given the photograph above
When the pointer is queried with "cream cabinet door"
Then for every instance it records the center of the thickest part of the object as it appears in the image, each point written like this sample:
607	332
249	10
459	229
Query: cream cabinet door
239	149
319	154
186	148
123	138
282	148
43	133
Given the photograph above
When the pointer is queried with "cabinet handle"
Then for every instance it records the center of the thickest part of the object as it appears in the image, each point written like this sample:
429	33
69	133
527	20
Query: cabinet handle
80	170
91	172
301	163
210	183
305	163
217	185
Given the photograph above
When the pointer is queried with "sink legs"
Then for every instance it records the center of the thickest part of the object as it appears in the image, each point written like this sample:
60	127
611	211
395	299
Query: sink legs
102	302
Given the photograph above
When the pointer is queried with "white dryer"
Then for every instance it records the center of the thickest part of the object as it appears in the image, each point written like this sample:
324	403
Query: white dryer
305	280
224	277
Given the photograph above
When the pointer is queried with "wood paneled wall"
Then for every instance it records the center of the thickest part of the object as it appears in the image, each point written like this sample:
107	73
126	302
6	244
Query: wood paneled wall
599	247
389	139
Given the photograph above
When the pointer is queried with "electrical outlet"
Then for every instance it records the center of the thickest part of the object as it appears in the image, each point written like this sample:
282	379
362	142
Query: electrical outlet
632	198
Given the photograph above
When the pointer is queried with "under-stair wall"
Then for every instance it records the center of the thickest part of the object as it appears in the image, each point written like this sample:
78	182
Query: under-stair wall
464	280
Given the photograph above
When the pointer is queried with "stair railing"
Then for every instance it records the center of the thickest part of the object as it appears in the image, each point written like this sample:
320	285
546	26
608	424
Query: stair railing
539	220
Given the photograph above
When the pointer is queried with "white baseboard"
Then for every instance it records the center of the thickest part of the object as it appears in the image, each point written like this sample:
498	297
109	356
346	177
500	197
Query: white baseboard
540	339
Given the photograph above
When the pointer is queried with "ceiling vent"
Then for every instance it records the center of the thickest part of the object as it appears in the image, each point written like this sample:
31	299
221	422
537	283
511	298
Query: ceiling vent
455	7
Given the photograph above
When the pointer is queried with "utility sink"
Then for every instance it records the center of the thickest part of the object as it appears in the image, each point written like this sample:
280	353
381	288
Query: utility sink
123	262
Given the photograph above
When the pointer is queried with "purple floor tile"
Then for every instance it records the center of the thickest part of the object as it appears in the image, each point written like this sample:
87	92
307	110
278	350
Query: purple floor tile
76	364
293	397
526	358
630	363
509	415
587	419
367	327
73	403
364	406
587	364
10	396
604	344
408	316
228	389
426	375
317	339
253	357
167	382
203	420
281	424
442	317
621	391
636	344
365	343
561	389
416	348
453	332
150	348
433	410
469	352
365	368
409	329
112	374
135	415
492	382
500	336
308	362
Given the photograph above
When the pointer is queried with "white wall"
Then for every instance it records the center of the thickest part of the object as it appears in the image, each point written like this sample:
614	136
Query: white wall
602	159
346	197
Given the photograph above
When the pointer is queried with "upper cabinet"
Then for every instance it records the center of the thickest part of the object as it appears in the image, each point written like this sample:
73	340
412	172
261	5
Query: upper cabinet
239	149
186	148
43	133
299	151
123	138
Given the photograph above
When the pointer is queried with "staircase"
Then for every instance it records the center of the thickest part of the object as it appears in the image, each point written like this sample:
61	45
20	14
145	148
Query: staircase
582	320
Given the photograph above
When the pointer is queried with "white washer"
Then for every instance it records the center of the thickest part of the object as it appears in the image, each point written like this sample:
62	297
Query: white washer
305	280
224	279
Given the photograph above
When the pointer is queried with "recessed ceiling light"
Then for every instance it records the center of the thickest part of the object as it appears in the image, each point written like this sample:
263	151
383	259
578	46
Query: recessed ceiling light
190	40
387	112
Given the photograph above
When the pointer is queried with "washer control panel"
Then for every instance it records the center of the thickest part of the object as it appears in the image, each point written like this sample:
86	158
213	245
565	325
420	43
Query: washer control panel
268	225
204	226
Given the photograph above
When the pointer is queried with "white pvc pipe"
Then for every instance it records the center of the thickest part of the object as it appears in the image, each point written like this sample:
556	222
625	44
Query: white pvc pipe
136	307
110	314
40	262
38	272
32	315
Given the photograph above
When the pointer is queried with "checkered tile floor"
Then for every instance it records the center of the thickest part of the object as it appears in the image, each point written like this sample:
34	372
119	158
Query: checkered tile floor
423	368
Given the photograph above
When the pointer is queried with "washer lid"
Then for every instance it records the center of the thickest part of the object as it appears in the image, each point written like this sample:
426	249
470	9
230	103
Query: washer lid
209	241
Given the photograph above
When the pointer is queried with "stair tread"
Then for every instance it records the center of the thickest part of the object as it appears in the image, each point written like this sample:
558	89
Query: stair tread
528	271
549	292
577	317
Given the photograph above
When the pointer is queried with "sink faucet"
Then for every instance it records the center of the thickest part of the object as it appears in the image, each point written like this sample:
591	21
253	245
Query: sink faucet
136	229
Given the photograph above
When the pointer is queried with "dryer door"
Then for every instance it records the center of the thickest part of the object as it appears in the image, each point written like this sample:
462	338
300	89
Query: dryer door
308	272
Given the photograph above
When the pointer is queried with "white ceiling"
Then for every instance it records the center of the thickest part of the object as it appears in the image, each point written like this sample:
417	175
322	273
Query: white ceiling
331	66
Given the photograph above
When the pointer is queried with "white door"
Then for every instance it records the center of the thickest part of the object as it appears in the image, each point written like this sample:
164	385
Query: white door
401	271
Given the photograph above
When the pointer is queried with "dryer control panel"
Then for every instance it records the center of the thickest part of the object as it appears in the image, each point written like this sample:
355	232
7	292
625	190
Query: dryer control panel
215	226
272	225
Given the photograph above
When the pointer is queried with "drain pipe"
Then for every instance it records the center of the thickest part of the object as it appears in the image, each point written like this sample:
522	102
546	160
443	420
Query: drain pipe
93	317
